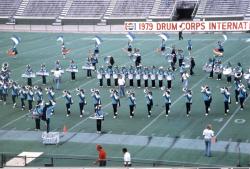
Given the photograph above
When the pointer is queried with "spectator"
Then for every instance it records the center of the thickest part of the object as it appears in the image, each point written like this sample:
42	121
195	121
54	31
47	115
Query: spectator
208	134
101	156
126	158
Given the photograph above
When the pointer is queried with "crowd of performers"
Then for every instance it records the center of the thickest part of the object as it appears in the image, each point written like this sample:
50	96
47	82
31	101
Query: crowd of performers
40	110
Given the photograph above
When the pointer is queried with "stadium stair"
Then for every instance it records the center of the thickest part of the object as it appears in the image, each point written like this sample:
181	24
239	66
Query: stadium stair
22	7
155	7
109	11
247	16
66	8
200	10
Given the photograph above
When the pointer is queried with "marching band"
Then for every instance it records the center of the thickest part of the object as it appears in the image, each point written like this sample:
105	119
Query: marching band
119	75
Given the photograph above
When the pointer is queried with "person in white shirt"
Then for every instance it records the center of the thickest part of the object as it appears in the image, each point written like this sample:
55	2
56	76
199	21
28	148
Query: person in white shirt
121	83
208	134
57	77
126	158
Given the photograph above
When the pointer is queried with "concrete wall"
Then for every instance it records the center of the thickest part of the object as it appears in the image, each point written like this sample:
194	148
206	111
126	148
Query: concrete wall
63	28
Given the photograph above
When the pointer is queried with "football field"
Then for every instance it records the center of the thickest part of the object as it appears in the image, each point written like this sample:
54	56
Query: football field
159	141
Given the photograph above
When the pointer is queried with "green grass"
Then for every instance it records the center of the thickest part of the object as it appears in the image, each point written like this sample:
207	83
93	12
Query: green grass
37	48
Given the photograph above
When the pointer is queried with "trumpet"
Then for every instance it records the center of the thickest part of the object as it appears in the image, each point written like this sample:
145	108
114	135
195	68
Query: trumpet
35	87
130	92
27	87
93	90
146	91
112	91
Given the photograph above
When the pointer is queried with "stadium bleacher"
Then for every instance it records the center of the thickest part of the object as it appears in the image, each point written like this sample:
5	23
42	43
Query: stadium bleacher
88	8
223	8
8	8
132	8
43	8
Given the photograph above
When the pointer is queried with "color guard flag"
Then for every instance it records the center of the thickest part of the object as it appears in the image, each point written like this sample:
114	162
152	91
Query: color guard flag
60	39
225	37
98	40
248	40
130	36
164	36
16	40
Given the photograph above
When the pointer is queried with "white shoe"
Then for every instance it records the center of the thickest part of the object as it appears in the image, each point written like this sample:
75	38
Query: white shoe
67	115
236	102
227	110
131	117
206	114
149	116
81	116
241	108
114	117
166	115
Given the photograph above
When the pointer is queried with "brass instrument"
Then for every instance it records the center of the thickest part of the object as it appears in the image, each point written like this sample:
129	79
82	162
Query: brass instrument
130	92
35	87
93	90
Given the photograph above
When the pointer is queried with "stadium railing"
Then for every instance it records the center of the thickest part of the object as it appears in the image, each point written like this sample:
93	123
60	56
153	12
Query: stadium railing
79	161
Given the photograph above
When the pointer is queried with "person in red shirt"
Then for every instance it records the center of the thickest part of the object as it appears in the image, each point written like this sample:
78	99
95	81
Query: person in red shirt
101	156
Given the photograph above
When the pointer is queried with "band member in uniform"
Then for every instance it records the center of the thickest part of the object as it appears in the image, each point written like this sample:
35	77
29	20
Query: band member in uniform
121	83
188	95
137	56
218	69
94	60
145	76
180	35
211	62
242	95
238	72
73	67
99	118
115	101
149	101
30	98
228	72
131	74
108	74
130	48
57	78
174	58
189	47
28	72
38	95
227	98
96	98
192	65
132	103
51	97
47	112
116	72
160	76
43	70
89	64
167	100
153	76
5	92
236	89
207	97
14	93
169	76
138	76
180	56
37	114
23	96
82	100
100	73
68	101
